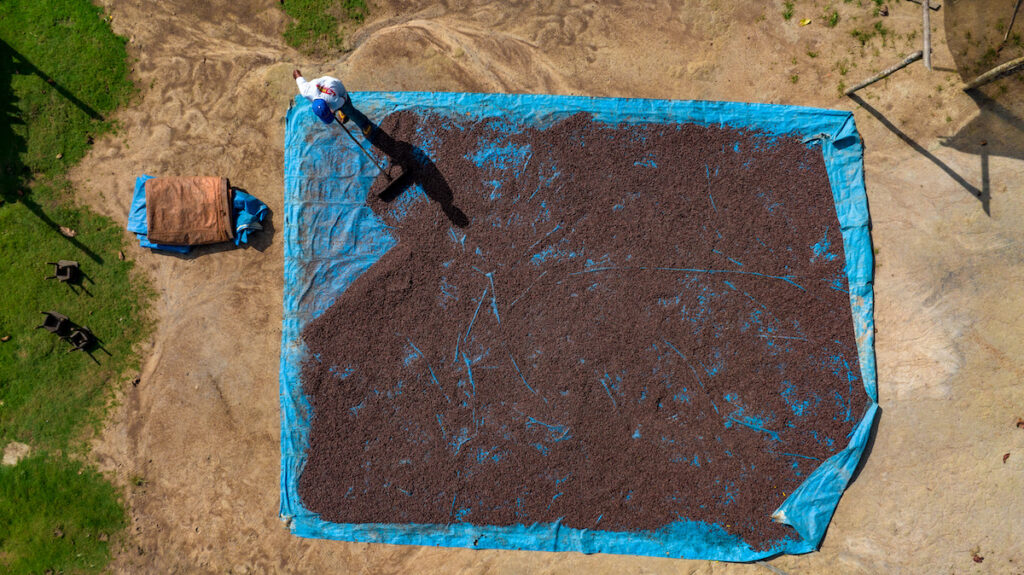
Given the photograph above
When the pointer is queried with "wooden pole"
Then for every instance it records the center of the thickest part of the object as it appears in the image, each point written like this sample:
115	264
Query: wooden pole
1012	18
995	74
926	9
906	62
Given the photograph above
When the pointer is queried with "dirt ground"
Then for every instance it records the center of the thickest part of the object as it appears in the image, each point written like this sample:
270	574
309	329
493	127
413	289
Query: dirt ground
195	444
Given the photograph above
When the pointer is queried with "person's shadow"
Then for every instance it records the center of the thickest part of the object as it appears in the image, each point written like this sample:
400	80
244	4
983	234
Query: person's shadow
417	168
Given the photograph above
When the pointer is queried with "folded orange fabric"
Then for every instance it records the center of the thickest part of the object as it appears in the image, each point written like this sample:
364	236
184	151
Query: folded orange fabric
183	211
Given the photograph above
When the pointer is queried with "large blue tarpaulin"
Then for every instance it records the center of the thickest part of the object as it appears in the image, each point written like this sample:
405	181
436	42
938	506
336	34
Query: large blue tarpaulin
331	237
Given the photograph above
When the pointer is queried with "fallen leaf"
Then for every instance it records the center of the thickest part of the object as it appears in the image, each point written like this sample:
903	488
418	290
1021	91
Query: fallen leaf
805	21
120	255
1005	457
68	232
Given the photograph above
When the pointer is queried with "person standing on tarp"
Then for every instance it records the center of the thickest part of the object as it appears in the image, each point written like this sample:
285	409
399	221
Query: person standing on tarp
331	101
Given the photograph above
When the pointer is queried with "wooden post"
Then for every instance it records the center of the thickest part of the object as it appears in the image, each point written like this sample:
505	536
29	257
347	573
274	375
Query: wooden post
926	9
995	74
1012	18
906	62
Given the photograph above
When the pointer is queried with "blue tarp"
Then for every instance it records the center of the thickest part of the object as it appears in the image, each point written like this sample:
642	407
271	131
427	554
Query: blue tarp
247	213
332	237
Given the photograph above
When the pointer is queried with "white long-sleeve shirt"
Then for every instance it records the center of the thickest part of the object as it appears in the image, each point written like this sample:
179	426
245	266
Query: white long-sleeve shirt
329	89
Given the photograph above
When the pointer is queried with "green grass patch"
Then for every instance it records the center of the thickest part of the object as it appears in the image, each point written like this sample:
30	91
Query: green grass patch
864	36
56	515
831	18
51	396
62	72
787	10
882	31
987	60
315	23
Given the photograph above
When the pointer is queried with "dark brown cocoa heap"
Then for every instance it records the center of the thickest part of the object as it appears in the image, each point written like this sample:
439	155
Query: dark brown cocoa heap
611	326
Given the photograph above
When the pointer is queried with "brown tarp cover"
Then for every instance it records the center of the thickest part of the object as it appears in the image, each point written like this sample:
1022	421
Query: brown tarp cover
184	211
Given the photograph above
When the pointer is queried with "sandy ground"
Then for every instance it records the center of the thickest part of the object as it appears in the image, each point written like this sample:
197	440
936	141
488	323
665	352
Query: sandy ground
200	431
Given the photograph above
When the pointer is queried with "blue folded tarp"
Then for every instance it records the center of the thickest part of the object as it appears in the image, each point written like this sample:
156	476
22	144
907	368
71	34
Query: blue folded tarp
332	237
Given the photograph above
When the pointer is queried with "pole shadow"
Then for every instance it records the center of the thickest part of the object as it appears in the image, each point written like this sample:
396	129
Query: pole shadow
974	190
15	174
21	65
995	131
12	144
